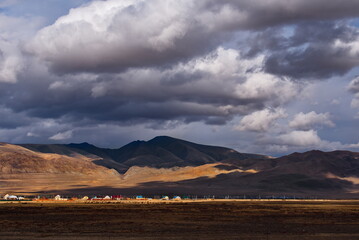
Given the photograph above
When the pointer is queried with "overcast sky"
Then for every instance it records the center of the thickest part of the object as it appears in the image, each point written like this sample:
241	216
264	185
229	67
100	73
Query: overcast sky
263	76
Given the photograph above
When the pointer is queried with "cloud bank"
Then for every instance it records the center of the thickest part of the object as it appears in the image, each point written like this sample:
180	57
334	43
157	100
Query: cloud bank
164	66
112	36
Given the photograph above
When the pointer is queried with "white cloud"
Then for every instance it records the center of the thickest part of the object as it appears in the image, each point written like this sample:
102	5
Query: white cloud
352	46
261	121
305	121
355	102
335	102
10	57
120	34
14	31
300	138
31	134
10	62
62	136
267	86
354	85
354	88
353	146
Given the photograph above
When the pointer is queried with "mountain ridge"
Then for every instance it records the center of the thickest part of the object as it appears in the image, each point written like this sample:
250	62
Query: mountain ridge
164	164
159	152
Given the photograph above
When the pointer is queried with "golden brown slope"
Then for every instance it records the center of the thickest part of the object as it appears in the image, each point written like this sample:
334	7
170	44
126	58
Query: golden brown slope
136	175
25	171
15	159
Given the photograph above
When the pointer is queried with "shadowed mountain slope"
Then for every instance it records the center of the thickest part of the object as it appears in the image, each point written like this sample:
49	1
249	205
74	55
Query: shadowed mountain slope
160	152
340	163
314	172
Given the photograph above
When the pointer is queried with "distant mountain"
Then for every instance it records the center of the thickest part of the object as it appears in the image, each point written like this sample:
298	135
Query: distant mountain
341	163
314	163
167	165
313	173
160	152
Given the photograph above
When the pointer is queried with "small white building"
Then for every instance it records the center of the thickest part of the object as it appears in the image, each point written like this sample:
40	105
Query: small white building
59	198
10	197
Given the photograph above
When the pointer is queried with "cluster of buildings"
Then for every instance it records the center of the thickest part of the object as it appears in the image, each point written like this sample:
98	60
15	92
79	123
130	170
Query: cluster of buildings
8	197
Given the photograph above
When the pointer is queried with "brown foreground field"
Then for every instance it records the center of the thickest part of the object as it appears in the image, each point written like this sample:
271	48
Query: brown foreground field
329	220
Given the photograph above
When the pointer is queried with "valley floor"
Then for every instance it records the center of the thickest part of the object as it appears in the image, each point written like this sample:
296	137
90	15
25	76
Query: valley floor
274	220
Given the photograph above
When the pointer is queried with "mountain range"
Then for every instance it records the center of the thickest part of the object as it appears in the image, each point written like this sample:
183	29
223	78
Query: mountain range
166	165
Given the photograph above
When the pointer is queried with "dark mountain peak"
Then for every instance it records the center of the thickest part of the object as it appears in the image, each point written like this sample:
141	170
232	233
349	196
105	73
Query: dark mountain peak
315	151
344	152
134	144
320	154
83	144
159	152
304	154
163	140
137	142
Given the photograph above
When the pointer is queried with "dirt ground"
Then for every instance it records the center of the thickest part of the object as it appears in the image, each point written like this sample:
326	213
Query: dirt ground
183	220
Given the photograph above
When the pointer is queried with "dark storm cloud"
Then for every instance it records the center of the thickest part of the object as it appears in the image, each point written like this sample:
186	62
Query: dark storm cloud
314	33
314	62
202	89
11	120
85	110
262	13
163	64
310	52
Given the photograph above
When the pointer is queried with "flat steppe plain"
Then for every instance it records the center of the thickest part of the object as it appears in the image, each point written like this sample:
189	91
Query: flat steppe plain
292	220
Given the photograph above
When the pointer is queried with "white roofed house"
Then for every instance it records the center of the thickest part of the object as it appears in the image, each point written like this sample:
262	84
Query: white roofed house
59	198
10	197
177	198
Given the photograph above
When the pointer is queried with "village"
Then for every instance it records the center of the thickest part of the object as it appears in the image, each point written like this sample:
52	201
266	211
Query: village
59	198
153	199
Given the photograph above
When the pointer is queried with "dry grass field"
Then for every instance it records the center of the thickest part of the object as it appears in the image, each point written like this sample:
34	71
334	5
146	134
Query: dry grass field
183	220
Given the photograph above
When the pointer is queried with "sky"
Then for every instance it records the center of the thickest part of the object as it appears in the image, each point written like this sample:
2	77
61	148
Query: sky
261	76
